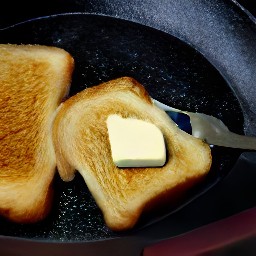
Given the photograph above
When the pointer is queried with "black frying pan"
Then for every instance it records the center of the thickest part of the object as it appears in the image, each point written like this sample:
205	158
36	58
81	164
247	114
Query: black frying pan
194	56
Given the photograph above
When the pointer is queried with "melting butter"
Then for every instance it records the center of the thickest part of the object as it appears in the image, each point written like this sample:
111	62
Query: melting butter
135	143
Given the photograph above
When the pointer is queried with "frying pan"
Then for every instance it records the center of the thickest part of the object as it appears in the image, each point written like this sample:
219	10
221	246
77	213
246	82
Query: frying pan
194	55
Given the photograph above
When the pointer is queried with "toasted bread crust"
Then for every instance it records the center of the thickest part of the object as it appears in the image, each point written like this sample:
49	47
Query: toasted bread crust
34	80
81	143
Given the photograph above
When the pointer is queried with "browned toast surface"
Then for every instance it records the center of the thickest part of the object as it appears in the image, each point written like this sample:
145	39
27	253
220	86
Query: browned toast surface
33	81
81	142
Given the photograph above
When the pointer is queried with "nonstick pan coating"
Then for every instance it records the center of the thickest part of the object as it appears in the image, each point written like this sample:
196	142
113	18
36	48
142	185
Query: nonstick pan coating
106	48
174	67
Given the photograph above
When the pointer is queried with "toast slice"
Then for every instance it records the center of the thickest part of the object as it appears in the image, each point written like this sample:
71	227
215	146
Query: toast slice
33	81
81	142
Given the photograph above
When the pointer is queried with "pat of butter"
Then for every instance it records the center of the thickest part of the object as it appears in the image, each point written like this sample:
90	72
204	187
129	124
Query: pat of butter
135	143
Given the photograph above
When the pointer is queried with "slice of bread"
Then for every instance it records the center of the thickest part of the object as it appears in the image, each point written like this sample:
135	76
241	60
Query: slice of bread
81	142
33	81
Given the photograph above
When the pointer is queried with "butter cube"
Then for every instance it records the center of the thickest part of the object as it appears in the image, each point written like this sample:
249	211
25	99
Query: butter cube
135	143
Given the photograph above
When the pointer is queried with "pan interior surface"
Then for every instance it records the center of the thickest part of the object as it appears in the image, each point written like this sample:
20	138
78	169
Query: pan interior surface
173	72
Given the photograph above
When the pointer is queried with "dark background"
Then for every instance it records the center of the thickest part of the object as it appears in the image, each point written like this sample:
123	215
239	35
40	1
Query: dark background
17	11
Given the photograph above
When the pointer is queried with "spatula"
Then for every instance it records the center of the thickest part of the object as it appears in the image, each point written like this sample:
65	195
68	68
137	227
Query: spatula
210	129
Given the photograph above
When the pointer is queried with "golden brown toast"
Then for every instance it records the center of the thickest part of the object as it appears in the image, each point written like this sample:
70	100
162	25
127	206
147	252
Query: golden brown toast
81	142
33	81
